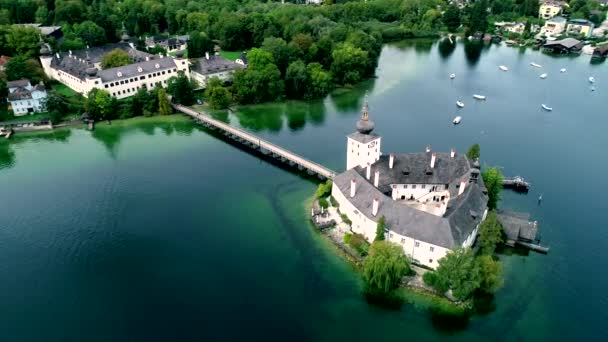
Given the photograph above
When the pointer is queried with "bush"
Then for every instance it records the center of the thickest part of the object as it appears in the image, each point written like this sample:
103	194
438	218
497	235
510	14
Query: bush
323	203
324	189
346	220
347	237
333	202
357	242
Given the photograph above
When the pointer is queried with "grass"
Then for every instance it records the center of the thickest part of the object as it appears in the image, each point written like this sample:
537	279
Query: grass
63	90
34	117
231	55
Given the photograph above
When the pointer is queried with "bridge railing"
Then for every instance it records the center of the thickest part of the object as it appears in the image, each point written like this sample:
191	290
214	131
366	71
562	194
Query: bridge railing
255	140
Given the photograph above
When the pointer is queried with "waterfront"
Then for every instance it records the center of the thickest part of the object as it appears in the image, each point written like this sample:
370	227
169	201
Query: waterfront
155	230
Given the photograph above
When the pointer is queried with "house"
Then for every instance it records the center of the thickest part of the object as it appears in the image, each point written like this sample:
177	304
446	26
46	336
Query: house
431	202
242	60
168	43
24	98
568	45
3	61
600	51
205	68
580	27
315	2
550	8
81	70
554	26
47	31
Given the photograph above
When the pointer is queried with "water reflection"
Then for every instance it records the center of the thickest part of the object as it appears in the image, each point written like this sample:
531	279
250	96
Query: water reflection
446	48
272	116
421	45
350	101
472	50
7	156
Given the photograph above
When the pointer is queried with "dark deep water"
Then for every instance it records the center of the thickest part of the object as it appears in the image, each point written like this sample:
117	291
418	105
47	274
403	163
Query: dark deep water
154	230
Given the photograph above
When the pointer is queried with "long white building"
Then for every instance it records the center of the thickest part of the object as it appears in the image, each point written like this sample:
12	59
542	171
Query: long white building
432	202
81	70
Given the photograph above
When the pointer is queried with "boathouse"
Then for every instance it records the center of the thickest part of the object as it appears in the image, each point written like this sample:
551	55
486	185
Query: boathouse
564	46
600	51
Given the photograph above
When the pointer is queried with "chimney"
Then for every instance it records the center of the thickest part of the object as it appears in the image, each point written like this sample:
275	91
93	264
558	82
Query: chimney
375	207
433	158
369	171
391	160
376	178
207	55
452	153
428	148
147	58
463	185
353	187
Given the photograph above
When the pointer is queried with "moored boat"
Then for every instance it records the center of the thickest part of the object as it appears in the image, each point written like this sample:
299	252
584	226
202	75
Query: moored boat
503	68
536	65
547	108
452	76
456	120
479	97
562	70
460	104
543	76
591	79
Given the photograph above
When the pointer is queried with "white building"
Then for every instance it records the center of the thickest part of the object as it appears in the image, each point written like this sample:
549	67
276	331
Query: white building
205	68
170	44
432	202
550	8
554	26
81	70
26	99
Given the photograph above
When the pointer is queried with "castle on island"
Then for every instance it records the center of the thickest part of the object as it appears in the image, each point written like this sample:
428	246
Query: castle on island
432	202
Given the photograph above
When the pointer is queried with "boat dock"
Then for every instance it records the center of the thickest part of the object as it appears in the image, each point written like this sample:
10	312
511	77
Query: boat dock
516	183
520	231
256	143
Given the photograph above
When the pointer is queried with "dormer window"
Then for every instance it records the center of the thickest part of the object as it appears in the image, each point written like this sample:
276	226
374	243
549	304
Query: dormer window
119	74
157	66
139	69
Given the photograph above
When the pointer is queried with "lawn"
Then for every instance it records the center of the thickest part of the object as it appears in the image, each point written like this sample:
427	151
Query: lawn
231	55
63	90
34	117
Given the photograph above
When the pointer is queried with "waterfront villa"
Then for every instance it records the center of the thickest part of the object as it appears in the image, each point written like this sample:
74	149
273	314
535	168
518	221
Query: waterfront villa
554	26
432	202
550	8
213	66
24	98
580	27
81	70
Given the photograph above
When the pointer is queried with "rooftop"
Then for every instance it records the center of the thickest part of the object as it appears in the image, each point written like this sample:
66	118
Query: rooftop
567	43
214	65
580	22
18	84
136	69
559	20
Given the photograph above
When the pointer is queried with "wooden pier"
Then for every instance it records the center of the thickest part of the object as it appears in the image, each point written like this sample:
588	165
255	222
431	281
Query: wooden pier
516	183
520	231
257	143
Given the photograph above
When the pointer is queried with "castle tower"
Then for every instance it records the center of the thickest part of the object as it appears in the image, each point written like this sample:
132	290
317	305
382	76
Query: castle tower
363	146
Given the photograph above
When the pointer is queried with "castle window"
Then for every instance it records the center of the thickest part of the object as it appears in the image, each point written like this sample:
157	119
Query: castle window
430	261
431	248
405	186
416	244
423	186
413	186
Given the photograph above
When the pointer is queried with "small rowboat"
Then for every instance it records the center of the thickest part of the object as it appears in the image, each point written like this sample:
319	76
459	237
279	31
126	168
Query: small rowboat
479	97
591	79
460	104
543	76
503	68
456	120
547	108
452	76
536	65
562	70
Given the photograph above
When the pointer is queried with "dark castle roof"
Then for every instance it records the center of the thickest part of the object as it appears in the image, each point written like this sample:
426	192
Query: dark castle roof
214	65
132	70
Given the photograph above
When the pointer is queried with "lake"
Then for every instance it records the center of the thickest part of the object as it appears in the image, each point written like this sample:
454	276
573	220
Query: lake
156	230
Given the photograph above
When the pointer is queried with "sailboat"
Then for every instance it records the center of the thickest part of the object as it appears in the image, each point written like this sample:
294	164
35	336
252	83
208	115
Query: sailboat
503	68
479	97
452	76
456	120
460	104
536	65
543	76
547	108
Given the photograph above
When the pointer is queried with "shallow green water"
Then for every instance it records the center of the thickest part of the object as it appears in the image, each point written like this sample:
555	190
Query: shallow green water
155	230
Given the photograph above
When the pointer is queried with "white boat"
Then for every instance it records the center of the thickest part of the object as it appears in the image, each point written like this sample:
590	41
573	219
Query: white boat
543	76
562	70
547	108
456	120
503	68
479	97
452	76
591	79
536	65
460	104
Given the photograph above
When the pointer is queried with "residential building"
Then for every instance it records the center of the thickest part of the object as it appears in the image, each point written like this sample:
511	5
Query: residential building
24	98
550	8
81	70
213	66
568	45
431	202
3	61
554	26
170	44
580	27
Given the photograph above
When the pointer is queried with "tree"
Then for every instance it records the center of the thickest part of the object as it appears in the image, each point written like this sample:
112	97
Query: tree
100	105
217	96
319	81
324	189
296	80
474	152
164	107
181	88
492	178
261	81
199	44
22	40
115	58
281	52
380	227
479	14
56	106
22	67
490	272
490	233
384	267
451	18
349	64
70	11
459	272
90	33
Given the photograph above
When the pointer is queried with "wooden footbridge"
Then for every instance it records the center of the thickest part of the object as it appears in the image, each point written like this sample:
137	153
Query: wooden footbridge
259	144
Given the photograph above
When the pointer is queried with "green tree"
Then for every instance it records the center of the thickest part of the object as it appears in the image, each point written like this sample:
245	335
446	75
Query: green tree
490	272
22	67
70	11
261	81
458	271
490	233
22	40
349	64
479	16
492	178
380	227
319	81
199	44
56	106
296	80
451	18
181	88
90	33
281	52
384	267
217	96
100	105
164	107
324	189
474	152
115	58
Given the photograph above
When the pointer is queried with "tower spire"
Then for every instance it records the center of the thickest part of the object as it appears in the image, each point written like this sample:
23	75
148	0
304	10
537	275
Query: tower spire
365	110
365	125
